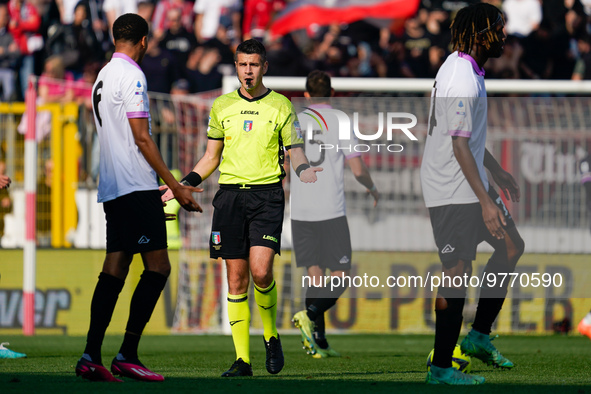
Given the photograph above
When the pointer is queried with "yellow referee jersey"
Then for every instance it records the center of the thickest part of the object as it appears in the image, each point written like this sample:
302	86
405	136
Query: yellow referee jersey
255	132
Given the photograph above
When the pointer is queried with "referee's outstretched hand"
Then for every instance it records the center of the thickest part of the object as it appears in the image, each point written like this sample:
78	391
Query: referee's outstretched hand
309	174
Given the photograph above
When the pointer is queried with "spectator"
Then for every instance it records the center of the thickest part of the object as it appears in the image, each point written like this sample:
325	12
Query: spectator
507	65
66	9
159	22
177	40
89	160
523	16
213	16
285	58
24	25
397	67
417	42
201	70
5	201
367	63
9	53
56	85
75	43
438	27
159	67
257	17
583	66
335	63
113	9
145	9
536	62
43	217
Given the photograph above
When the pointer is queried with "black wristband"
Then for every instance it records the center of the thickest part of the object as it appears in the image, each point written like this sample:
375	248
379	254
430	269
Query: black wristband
301	168
192	179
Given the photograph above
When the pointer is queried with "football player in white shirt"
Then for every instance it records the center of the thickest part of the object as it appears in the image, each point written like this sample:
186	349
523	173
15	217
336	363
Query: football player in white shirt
584	326
128	189
320	232
464	209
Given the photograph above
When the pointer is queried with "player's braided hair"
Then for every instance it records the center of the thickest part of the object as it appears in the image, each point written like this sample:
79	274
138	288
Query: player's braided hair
130	27
251	47
471	21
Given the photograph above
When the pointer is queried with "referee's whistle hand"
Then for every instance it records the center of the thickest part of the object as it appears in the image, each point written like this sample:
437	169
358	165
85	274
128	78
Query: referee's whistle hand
309	174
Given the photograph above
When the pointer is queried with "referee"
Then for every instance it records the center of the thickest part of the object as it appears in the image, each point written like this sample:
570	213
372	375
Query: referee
250	128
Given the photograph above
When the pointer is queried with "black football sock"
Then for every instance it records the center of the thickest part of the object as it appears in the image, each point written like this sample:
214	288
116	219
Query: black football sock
129	346
319	328
312	293
102	306
448	323
491	298
487	311
321	341
326	299
144	300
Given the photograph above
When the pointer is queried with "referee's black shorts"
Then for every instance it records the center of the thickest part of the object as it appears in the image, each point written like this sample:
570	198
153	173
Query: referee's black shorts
246	217
135	223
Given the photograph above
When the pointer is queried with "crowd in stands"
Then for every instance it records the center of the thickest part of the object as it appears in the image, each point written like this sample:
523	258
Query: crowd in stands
192	43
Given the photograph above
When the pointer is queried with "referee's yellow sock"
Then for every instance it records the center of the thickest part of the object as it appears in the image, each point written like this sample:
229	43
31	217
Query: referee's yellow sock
266	299
239	317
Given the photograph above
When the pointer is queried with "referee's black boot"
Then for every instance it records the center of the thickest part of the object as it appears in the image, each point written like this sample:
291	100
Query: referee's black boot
275	361
239	368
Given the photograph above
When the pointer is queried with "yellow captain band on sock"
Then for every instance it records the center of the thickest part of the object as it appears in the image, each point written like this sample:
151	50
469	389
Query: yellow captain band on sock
266	290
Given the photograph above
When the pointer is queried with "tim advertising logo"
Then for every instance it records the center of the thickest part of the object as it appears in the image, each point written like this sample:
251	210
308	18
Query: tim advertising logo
390	122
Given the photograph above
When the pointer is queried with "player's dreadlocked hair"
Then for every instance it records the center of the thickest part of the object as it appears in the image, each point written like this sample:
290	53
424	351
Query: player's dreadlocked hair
470	21
130	27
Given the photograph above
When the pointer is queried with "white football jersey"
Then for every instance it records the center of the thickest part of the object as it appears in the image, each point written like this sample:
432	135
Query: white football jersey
119	94
458	108
324	199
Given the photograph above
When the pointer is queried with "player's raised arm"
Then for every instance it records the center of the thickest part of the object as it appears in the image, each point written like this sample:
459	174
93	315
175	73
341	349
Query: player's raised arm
141	135
301	165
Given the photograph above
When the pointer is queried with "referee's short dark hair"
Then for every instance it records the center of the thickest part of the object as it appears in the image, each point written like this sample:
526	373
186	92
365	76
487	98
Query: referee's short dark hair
131	28
251	47
318	84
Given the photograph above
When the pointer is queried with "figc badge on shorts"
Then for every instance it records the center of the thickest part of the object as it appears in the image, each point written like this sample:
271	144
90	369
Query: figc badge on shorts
216	238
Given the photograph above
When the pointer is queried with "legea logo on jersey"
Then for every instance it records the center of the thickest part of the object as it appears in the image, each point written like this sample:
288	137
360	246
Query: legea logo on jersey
392	121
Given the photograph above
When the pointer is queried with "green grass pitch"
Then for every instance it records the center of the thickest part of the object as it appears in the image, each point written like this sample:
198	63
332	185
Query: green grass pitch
370	363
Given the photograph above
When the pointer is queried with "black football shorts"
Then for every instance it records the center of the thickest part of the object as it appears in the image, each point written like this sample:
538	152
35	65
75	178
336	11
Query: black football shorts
246	217
135	223
325	243
458	229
